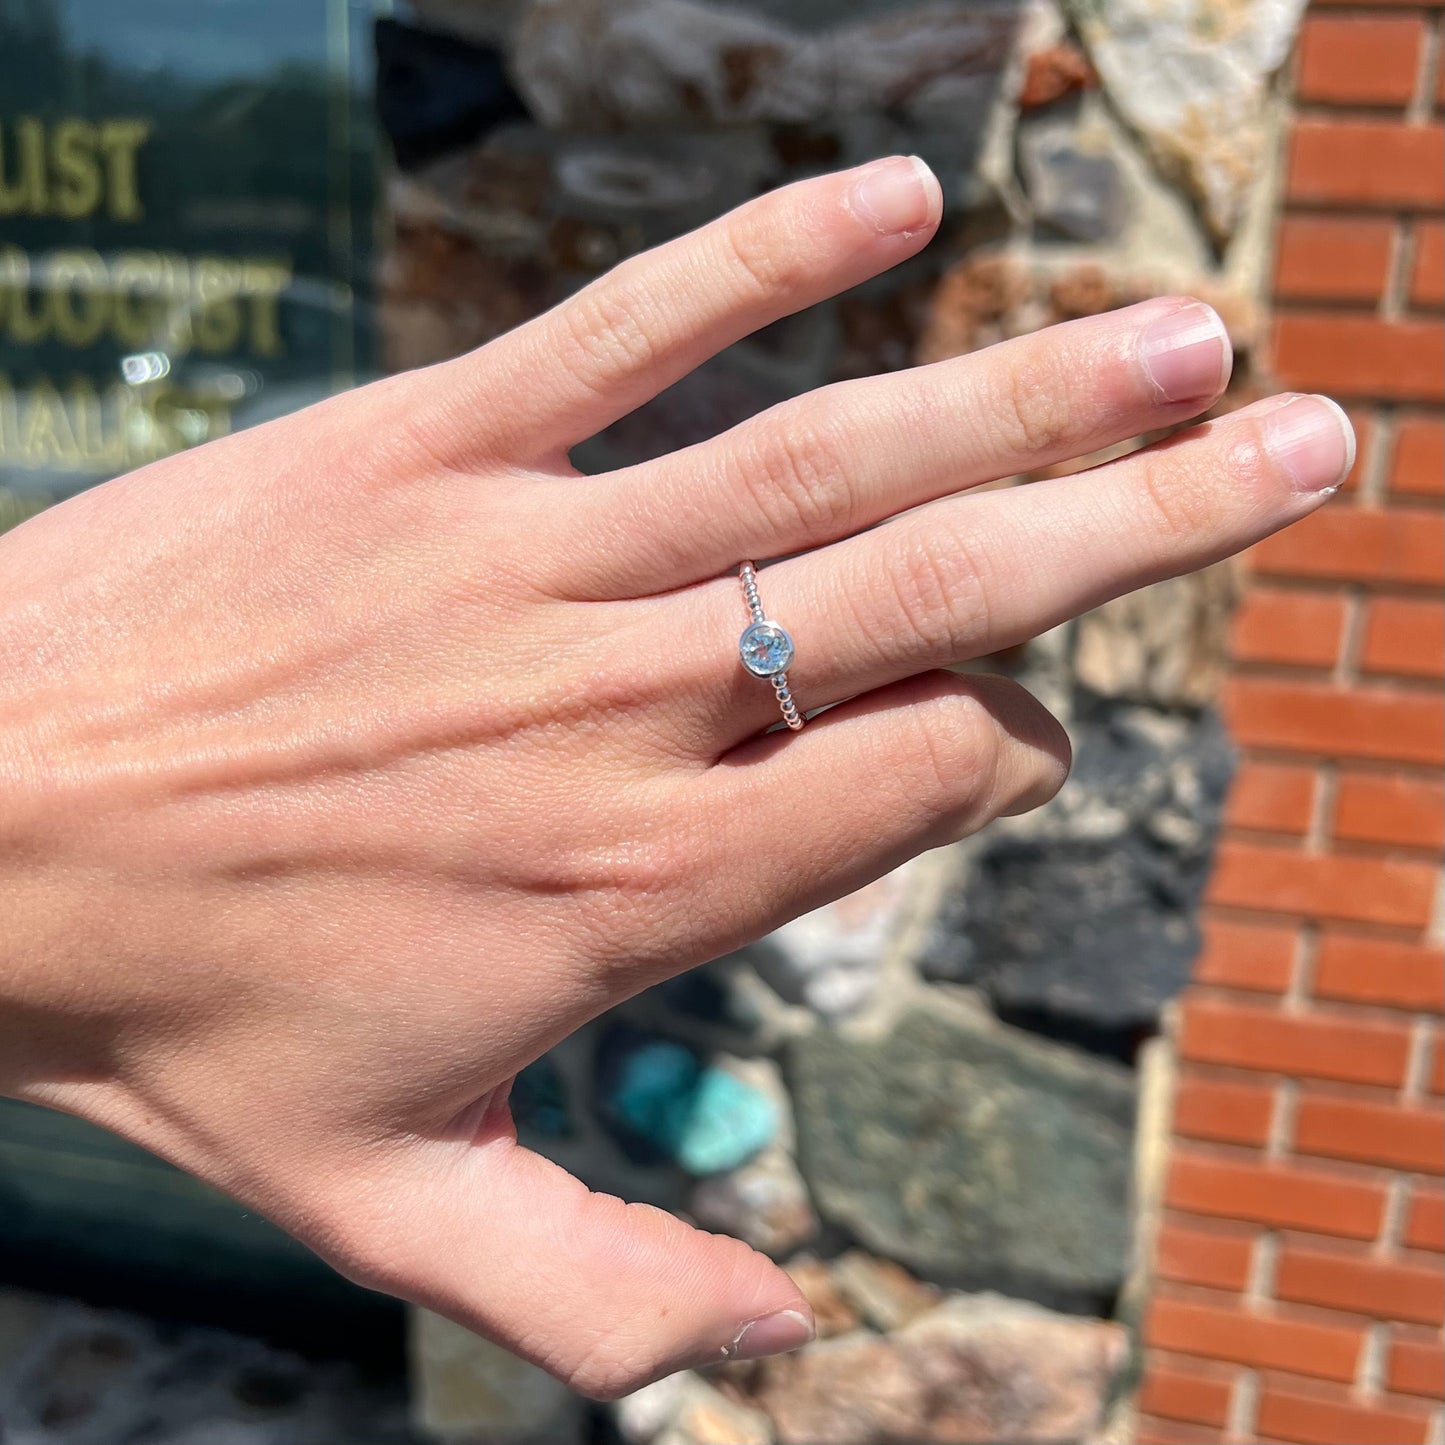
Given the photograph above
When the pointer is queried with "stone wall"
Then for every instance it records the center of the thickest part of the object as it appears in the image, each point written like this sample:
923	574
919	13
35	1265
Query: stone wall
923	1099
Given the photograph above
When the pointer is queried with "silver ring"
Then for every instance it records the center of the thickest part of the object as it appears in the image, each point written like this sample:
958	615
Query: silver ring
766	649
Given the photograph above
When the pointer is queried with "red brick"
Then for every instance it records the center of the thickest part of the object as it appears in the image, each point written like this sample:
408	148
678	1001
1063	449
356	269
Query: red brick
1367	163
1381	972
1375	723
1419	468
1436	1078
1208	1257
1286	1196
1382	808
1312	1046
1405	637
1214	1332
1190	1392
1330	258
1417	1368
1425	1220
1352	544
1427	272
1359	356
1366	1286
1294	1415
1149	1430
1229	1112
1302	629
1359	61
1284	880
1271	798
1254	956
1396	1135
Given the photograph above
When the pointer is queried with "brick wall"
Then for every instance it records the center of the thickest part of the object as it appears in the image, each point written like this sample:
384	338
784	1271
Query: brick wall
1300	1284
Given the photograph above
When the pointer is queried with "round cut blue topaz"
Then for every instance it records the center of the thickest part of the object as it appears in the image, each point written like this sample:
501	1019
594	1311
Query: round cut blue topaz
766	650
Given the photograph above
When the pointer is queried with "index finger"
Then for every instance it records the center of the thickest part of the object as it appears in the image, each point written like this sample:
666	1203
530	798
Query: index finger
657	316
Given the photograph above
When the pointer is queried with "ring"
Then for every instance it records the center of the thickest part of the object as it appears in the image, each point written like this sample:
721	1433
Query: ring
766	649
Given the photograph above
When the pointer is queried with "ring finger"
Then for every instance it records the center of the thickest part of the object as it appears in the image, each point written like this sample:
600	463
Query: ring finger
971	575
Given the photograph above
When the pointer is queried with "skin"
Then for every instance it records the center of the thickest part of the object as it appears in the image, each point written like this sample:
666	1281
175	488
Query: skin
348	764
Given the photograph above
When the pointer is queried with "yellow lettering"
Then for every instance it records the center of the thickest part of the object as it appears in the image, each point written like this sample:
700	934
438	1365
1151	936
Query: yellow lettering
77	173
48	436
82	274
218	327
120	140
138	274
264	282
26	326
26	195
93	434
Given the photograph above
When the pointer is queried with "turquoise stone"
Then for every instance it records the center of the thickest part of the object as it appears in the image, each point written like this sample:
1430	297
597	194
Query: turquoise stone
728	1123
701	1117
766	650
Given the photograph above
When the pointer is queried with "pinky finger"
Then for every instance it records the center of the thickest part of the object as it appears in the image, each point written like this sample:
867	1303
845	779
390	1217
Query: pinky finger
877	780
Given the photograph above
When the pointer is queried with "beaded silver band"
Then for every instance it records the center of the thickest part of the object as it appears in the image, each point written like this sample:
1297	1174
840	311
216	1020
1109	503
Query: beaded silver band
765	648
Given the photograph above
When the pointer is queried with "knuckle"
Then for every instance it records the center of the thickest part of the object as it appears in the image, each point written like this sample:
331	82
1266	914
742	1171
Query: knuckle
1038	414
1178	501
941	591
956	757
607	333
759	265
801	469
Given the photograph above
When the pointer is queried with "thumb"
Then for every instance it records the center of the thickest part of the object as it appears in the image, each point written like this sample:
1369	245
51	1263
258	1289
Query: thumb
603	1294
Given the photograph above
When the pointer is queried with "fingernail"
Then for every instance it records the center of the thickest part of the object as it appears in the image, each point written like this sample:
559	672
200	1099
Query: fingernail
898	195
1187	354
771	1335
1313	440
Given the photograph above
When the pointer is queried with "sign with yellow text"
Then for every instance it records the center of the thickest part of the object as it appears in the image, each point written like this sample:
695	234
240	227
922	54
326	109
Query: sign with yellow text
185	226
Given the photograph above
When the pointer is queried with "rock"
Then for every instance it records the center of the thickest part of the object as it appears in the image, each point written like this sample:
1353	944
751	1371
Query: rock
1082	921
71	1374
590	65
1167	645
643	1415
468	1389
539	1102
1192	78
684	1409
830	960
764	1203
832	1313
661	1102
978	1156
1082	291
437	92
972	302
443	294
1052	73
606	65
1074	193
883	1292
977	1368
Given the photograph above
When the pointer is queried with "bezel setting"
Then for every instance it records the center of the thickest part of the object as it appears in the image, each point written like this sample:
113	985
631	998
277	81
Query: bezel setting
766	649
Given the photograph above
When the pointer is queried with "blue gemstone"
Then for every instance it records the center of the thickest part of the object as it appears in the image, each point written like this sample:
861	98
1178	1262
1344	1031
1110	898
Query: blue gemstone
766	650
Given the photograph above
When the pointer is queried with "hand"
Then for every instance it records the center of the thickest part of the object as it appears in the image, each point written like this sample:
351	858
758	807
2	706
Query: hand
349	763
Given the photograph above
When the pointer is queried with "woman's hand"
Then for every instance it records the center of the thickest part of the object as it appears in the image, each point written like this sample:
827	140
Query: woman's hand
349	763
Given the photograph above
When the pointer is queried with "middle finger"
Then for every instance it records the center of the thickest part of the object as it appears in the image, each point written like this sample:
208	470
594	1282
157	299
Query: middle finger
822	466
